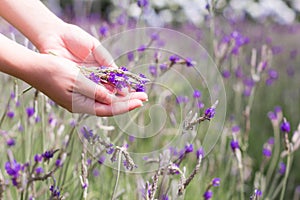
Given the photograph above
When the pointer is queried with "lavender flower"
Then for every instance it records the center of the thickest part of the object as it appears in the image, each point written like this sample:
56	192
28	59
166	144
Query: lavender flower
189	62
174	59
110	149
271	141
282	168
285	126
189	148
153	70
235	129
10	142
120	78
47	155
39	170
216	182
272	115
234	144
226	73
267	152
96	172
163	67
197	94
200	152
130	56
30	111
142	48
101	160
103	30
10	114
210	113
142	3
38	158
208	195
13	169
165	197
182	99
58	163
55	192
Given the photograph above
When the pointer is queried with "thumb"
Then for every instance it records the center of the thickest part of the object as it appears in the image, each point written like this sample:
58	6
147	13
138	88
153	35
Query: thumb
103	57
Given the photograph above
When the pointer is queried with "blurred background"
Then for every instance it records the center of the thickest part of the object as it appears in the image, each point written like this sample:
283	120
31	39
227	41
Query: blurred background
179	11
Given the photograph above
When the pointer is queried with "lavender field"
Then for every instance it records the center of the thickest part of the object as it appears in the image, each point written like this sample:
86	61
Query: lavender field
222	120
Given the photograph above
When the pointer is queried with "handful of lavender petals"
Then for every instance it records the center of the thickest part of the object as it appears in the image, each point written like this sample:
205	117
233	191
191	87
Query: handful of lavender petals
118	77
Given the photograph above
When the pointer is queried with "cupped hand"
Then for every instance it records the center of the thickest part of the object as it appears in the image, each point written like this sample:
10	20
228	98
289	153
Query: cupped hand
72	42
61	80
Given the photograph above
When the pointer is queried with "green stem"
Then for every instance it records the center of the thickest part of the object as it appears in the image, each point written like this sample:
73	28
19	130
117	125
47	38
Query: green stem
286	175
118	175
276	155
242	182
272	188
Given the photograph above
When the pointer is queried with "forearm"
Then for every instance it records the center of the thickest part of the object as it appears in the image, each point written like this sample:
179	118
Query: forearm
32	18
16	60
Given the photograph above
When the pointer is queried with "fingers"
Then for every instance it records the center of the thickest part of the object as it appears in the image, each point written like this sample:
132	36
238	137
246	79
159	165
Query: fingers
103	57
83	104
117	108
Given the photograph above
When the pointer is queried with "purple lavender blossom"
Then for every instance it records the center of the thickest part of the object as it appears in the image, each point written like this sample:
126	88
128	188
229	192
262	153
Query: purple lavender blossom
101	160
96	173
174	58
13	168
182	99
163	67
216	182
58	163
210	113
55	192
142	48
189	62
234	144
208	195
142	3
200	152
272	116
165	197
47	155
235	129
130	56
39	170
285	126
154	36
94	78
38	158
110	149
197	94
282	168
153	70
239	72
200	104
267	152
10	114
103	30
30	111
226	73
271	141
258	192
10	142
189	148
87	133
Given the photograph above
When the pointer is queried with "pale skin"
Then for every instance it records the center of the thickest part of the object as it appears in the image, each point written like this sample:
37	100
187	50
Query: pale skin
57	75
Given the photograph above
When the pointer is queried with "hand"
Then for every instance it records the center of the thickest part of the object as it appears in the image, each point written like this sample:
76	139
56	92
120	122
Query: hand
61	80
71	42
